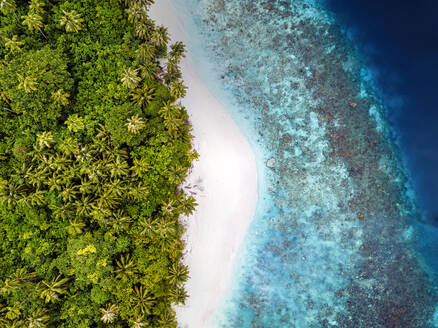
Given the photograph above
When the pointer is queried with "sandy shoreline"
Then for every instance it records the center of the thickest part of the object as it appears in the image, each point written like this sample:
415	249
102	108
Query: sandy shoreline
225	180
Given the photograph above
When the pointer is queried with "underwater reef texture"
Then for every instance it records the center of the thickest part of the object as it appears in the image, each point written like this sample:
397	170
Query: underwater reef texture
334	244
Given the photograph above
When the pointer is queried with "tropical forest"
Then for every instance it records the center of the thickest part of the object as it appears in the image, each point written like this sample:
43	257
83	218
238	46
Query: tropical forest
94	146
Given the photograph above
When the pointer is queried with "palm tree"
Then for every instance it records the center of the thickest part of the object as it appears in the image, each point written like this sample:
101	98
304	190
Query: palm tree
167	320
142	301
138	323
178	274
11	193
83	205
139	193
135	124
136	13
143	30
71	20
75	123
75	227
44	139
12	313
143	96
34	22
125	267
160	36
13	44
140	167
187	205
28	84
36	6
165	229
177	89
52	290
38	319
149	70
172	72
177	174
147	227
177	50
130	78
60	97
7	6
173	124
178	295
145	51
109	313
120	222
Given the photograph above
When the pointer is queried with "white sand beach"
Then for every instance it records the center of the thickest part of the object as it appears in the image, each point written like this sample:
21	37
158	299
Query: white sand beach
225	182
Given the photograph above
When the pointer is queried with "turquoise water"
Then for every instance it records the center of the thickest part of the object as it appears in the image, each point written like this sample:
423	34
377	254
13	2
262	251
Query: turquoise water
334	241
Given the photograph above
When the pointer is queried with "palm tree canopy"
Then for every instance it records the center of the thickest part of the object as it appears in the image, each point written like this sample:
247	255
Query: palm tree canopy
72	21
130	78
33	21
7	6
13	44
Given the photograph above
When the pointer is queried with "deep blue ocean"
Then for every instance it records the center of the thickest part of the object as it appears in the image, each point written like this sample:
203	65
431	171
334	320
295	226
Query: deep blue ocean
337	99
399	40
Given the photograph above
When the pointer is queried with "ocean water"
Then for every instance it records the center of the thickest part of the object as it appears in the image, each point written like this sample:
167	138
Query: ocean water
338	238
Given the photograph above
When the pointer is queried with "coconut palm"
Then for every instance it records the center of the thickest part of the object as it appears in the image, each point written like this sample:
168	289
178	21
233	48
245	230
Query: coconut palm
143	30
75	123
125	267
7	6
36	6
167	320
169	208
187	205
147	227
142	302
44	139
135	124
178	273
69	146
143	96
13	44
60	97
109	314
11	193
138	323
145	51
75	227
160	36
149	70
130	78
177	174
139	193
177	50
120	222
172	72
140	167
28	84
38	319
52	290
34	22
177	89
136	13
178	295
71	20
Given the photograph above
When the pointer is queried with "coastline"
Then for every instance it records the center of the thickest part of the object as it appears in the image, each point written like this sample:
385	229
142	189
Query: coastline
224	180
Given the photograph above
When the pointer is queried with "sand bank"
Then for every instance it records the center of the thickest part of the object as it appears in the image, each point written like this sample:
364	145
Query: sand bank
224	180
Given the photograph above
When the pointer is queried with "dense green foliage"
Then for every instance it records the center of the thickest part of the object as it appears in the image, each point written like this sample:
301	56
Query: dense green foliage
93	147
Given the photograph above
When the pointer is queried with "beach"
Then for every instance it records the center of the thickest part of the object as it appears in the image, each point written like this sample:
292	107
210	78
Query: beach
223	180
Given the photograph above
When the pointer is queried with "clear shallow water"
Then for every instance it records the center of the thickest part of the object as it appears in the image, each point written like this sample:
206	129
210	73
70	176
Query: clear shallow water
334	240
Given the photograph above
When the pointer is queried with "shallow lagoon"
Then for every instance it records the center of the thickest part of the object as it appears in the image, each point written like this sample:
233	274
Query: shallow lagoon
334	240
